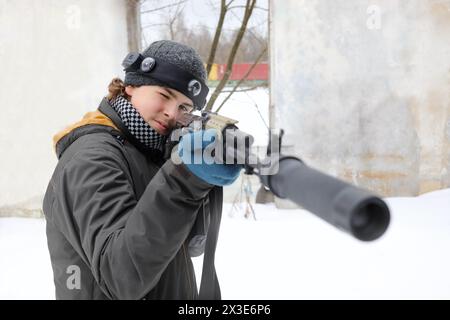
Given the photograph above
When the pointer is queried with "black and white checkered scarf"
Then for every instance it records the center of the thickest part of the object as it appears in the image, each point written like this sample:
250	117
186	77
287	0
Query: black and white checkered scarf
137	126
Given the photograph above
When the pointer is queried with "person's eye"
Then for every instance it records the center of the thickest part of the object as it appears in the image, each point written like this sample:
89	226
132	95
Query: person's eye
184	108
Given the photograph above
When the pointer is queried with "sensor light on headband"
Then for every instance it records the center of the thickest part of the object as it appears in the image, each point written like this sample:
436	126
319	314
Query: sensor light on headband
170	75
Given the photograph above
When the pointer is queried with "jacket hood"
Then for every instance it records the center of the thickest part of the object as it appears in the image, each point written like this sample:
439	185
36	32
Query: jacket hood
91	122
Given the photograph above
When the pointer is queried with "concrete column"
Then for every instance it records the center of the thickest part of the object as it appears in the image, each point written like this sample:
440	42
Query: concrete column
362	89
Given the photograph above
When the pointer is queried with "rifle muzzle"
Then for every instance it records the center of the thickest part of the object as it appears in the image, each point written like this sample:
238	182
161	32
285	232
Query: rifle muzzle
347	207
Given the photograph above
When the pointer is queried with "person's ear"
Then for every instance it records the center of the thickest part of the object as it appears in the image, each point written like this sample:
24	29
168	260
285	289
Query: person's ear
129	90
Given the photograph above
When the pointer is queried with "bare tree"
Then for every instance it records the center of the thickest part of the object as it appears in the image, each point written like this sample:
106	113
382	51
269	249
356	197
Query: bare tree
133	25
175	20
163	7
223	11
224	47
170	14
200	39
250	4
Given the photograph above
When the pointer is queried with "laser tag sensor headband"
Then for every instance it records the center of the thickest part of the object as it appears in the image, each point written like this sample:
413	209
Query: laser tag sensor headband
170	75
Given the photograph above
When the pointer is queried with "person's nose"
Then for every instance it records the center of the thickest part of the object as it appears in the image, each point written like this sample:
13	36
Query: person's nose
171	112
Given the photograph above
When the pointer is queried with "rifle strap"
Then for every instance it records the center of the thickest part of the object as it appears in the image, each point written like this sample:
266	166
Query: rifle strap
209	287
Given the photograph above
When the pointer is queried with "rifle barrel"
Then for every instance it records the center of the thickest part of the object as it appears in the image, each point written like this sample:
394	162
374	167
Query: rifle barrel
347	207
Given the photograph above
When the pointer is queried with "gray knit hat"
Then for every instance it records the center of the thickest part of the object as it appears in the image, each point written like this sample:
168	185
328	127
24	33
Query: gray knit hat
172	52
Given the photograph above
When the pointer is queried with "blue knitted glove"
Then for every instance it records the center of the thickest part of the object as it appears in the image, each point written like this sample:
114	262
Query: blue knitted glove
191	151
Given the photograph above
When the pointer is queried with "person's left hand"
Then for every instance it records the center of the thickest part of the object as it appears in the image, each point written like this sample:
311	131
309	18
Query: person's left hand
191	151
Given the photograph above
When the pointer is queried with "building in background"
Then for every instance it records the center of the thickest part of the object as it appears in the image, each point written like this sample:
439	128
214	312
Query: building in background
362	89
253	76
56	60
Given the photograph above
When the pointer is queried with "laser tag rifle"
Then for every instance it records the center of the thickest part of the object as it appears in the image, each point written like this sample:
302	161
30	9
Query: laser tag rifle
347	207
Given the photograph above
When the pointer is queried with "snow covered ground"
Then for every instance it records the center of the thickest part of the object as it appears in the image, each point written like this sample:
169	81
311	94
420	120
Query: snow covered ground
284	254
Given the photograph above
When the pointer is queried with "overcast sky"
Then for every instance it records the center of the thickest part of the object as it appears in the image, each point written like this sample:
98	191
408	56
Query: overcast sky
201	12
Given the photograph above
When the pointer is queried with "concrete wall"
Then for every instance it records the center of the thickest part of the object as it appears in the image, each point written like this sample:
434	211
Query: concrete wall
56	60
363	89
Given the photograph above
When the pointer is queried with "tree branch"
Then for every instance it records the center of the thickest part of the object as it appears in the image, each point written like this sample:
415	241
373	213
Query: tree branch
163	7
215	43
247	14
256	7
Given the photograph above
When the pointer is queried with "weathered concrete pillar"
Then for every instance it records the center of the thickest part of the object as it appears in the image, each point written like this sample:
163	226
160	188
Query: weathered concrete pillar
362	89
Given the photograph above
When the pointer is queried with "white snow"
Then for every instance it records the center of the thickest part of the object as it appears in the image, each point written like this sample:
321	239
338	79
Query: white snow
25	269
284	254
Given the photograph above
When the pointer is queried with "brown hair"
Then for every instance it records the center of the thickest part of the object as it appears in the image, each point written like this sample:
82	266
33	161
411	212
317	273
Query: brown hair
116	88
